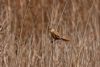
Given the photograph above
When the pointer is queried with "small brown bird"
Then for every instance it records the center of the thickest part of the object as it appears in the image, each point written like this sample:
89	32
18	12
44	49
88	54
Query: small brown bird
55	35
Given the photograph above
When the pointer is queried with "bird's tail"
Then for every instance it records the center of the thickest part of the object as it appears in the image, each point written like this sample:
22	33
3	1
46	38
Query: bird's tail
64	39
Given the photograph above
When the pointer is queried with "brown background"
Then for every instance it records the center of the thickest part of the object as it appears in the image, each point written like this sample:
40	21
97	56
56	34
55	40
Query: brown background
25	40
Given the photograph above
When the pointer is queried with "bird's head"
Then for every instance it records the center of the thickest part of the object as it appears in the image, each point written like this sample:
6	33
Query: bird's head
51	30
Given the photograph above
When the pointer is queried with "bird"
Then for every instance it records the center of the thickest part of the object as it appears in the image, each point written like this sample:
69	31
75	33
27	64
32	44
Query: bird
56	36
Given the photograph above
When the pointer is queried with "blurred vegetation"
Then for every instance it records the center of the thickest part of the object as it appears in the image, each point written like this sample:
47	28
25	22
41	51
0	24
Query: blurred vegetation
26	42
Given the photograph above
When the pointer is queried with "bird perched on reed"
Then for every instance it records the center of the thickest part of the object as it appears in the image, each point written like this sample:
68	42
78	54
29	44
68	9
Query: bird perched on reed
56	36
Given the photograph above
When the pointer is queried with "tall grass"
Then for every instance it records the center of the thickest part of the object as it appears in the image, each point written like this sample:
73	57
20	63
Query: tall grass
26	42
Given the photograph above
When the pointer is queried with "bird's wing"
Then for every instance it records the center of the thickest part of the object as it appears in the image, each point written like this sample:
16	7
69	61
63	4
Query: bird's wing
55	35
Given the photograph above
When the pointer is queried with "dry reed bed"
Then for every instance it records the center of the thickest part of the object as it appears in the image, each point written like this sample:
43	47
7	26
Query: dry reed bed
25	40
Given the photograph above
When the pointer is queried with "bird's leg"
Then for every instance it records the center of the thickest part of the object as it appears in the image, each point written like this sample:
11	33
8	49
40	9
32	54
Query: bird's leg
52	40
